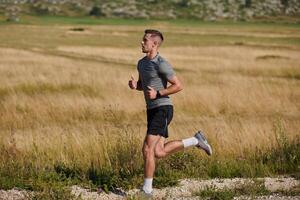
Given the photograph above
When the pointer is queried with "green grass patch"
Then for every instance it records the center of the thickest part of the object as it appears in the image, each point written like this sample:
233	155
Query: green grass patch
49	37
262	25
123	166
65	20
220	39
183	22
124	169
285	159
249	189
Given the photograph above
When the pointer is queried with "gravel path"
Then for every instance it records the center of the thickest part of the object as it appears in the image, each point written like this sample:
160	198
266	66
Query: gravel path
184	191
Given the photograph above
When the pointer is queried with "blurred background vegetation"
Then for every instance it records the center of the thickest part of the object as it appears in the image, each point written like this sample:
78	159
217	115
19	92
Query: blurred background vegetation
209	10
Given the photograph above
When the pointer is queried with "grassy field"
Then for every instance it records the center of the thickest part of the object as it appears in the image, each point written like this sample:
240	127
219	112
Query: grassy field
68	117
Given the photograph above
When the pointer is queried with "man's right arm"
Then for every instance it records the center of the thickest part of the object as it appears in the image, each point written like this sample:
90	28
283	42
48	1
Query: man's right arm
133	84
139	85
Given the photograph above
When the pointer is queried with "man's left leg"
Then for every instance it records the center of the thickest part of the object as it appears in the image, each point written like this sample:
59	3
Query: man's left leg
149	161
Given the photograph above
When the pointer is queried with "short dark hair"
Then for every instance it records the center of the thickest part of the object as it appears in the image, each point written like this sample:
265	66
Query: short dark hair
155	33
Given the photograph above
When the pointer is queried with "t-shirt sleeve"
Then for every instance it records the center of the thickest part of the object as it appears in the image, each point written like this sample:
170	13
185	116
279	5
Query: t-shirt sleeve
166	70
137	66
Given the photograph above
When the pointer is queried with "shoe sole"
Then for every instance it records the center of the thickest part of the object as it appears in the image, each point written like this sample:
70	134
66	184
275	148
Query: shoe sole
204	142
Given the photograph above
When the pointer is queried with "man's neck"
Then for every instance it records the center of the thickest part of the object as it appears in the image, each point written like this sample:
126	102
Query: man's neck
151	54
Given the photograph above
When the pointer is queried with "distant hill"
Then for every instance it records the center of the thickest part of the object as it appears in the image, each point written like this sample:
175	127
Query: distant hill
153	9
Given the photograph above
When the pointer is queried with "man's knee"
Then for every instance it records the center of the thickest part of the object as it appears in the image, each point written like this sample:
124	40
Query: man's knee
147	151
159	153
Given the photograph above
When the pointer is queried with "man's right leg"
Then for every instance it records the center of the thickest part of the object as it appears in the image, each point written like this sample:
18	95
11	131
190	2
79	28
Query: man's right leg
163	149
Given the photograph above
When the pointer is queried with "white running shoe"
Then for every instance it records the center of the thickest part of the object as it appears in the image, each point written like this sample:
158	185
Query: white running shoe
202	143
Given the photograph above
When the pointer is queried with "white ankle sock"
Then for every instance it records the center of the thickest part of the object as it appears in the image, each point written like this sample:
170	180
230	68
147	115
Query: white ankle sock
148	185
189	142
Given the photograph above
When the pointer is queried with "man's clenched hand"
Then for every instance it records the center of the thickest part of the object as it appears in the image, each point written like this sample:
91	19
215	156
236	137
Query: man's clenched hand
132	83
151	93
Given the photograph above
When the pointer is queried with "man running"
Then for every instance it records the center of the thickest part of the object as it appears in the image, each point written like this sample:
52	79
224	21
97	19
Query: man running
154	75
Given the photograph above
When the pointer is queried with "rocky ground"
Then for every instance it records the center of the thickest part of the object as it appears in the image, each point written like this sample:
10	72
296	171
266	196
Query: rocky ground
185	190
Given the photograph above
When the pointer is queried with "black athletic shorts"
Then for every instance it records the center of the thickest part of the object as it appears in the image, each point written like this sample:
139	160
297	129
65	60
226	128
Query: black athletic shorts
158	120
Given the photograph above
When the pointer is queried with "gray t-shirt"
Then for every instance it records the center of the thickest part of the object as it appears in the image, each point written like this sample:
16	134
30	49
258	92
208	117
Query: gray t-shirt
155	73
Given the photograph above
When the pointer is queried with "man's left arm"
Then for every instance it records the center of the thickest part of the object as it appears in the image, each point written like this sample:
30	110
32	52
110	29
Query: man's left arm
174	87
166	70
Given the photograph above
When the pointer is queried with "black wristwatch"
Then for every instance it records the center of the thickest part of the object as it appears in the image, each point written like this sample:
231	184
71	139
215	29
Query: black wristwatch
158	95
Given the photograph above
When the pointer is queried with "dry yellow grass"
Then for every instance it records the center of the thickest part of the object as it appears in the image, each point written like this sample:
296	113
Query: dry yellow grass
72	103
